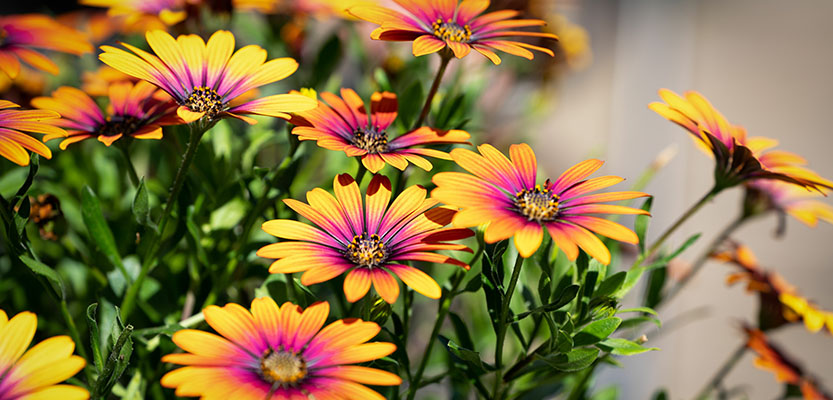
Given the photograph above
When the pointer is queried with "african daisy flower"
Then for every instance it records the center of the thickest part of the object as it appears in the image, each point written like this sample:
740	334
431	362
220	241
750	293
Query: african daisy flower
36	373
504	193
369	241
343	124
788	199
13	122
207	79
143	15
461	27
738	158
21	35
278	353
138	111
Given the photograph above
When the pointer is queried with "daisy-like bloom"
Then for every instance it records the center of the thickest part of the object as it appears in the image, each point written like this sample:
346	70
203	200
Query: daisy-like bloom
343	124
138	111
36	374
369	241
207	80
461	27
14	122
784	198
278	353
97	83
143	15
505	194
814	318
22	35
738	158
771	358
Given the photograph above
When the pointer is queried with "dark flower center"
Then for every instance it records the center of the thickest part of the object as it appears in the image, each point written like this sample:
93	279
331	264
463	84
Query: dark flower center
450	31
3	35
538	204
366	251
121	124
371	139
283	367
205	99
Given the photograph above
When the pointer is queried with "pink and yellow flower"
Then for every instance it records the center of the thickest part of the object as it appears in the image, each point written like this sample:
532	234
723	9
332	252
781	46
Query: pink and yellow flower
138	111
460	27
505	194
278	353
143	15
13	123
738	158
22	35
36	374
208	79
343	124
370	241
785	198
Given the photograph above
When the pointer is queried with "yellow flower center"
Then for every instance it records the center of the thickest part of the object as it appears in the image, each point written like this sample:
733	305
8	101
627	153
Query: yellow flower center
115	125
538	204
205	99
366	251
450	31
371	139
283	367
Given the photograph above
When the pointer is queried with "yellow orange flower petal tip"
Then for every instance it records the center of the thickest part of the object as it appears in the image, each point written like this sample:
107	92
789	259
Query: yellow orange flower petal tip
370	242
14	122
738	158
143	15
138	111
272	352
22	35
208	80
343	124
36	373
504	193
460	27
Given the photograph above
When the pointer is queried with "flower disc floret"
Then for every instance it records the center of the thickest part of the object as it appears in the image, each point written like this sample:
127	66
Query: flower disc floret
205	100
367	250
283	367
371	139
450	31
538	204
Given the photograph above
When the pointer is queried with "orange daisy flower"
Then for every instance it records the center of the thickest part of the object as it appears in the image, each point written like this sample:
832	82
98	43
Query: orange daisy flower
13	122
278	353
143	15
21	35
789	199
343	124
36	373
207	80
771	358
370	242
461	27
738	158
504	193
97	83
138	111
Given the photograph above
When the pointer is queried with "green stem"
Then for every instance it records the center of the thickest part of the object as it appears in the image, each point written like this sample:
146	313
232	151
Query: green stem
679	222
502	325
129	301
76	337
445	58
445	305
360	172
131	169
724	370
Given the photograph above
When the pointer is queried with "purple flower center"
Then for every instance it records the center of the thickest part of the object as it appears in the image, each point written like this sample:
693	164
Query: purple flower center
371	139
205	99
450	31
283	367
366	251
538	204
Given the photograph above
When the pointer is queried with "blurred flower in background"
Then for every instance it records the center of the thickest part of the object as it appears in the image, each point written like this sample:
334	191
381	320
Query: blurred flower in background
22	35
14	122
143	15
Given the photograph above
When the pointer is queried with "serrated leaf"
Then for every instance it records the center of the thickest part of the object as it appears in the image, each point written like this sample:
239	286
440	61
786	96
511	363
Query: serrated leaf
623	347
576	360
141	204
46	272
596	331
640	224
98	229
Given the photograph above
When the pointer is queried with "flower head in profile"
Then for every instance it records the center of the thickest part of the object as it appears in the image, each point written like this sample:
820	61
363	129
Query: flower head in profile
738	158
460	27
505	193
343	124
771	358
22	35
788	199
208	80
14	122
36	373
369	240
143	15
277	353
138	111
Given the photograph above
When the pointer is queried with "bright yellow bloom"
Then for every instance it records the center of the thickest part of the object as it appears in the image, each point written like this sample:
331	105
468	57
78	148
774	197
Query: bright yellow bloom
143	15
13	122
35	374
20	35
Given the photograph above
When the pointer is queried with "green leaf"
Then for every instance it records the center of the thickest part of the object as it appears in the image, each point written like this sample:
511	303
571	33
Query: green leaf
596	331
611	284
646	310
229	215
623	347
656	284
575	360
563	342
461	330
327	60
640	224
469	359
637	321
410	103
97	227
48	273
664	260
567	295
95	337
141	204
